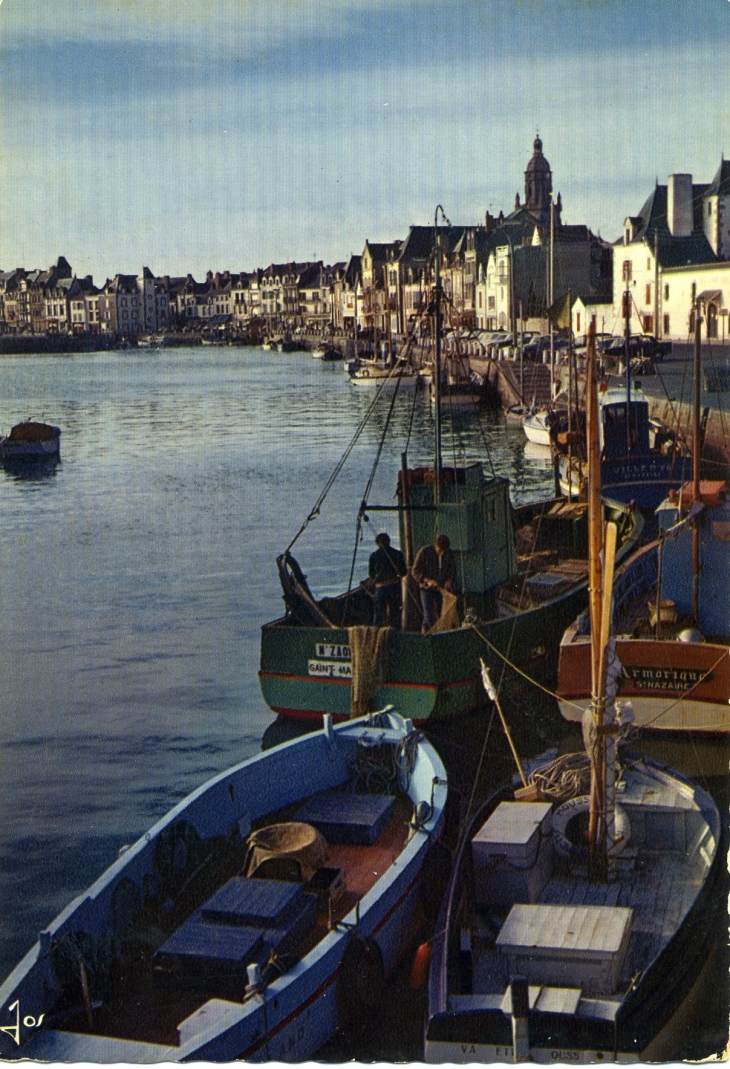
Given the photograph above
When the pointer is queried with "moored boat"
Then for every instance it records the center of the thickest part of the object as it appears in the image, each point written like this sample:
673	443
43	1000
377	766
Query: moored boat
536	426
327	353
249	920
672	645
642	459
671	653
581	917
522	577
374	373
535	961
31	440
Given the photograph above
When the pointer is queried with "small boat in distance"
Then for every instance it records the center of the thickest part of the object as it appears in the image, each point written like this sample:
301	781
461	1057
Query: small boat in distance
254	920
31	441
374	373
326	353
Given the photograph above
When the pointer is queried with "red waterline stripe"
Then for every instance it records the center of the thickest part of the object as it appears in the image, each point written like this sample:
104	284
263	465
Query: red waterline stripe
348	682
328	982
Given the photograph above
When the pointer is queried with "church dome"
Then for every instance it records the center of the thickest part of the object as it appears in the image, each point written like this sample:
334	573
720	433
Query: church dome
538	161
538	182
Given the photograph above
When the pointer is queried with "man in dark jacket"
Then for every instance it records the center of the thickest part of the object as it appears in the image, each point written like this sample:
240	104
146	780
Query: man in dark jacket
386	567
434	569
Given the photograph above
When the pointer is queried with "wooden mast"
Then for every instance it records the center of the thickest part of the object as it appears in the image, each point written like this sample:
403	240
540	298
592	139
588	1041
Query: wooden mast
600	597
696	469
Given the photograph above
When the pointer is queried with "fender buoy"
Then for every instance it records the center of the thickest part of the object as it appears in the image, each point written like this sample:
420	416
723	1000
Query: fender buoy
419	969
569	844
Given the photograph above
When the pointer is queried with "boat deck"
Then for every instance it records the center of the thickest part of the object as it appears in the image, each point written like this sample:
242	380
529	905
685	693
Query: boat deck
146	1006
658	876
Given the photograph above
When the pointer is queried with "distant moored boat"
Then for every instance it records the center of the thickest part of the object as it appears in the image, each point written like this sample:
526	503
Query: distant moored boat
31	441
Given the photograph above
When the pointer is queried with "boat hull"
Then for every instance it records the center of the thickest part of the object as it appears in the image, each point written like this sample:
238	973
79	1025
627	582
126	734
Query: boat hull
294	1014
672	686
306	672
387	381
30	447
537	429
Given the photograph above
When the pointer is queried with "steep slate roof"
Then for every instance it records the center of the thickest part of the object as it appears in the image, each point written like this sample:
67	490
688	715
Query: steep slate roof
353	271
679	252
720	185
651	225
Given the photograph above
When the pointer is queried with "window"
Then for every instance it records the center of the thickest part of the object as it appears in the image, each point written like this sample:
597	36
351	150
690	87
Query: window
480	299
648	263
694	290
647	295
627	270
666	291
577	322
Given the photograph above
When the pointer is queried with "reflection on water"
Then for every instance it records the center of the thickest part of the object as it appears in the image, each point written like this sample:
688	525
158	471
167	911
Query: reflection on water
30	470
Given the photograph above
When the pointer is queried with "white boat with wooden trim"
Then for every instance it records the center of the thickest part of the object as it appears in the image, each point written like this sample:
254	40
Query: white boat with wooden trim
374	373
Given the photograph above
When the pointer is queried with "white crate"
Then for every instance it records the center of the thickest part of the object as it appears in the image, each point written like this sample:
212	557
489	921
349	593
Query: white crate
512	853
577	946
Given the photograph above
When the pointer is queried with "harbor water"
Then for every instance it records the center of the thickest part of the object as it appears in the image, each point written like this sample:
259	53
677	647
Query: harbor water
137	572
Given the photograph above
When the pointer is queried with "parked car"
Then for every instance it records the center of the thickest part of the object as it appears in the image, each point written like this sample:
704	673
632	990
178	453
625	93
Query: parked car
541	344
640	345
581	343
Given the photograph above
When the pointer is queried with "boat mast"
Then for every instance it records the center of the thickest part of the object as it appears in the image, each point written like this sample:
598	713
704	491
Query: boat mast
627	356
437	353
696	468
551	297
601	821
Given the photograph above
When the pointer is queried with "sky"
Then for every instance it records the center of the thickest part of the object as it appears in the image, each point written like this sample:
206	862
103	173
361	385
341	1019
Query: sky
195	135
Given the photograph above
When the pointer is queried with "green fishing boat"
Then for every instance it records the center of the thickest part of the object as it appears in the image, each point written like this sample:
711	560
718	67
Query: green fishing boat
520	576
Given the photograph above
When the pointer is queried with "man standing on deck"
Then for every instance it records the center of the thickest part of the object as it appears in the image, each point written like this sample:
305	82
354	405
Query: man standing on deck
386	568
434	569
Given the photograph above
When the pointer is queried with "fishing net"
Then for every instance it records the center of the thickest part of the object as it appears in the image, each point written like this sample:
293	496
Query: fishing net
449	617
369	648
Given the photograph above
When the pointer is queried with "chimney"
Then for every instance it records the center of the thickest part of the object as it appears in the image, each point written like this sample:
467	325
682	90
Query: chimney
680	213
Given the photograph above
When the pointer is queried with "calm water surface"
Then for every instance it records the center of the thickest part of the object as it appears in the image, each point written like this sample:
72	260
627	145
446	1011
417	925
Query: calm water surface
136	576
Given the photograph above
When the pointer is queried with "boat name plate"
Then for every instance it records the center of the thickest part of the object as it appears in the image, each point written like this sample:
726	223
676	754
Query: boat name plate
335	650
330	669
680	679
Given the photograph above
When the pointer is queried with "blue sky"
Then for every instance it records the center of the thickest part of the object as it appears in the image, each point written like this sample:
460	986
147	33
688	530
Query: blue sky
217	134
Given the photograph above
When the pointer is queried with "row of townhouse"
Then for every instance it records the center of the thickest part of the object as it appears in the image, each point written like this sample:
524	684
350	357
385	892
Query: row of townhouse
503	274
